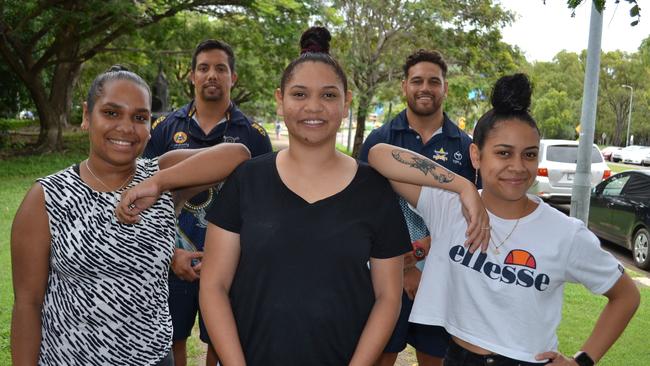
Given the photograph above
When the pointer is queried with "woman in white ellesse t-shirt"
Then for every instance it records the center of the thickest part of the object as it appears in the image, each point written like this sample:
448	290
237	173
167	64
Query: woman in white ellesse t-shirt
503	306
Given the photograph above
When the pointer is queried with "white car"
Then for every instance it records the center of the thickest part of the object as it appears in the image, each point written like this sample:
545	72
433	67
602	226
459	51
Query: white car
622	154
646	160
636	156
557	168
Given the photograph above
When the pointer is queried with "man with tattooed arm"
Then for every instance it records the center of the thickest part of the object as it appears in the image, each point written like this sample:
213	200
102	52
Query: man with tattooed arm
422	127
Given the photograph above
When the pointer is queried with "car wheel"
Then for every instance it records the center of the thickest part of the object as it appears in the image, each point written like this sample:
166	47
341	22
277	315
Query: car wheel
640	249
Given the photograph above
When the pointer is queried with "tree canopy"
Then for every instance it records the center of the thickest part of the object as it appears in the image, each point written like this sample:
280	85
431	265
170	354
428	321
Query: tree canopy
45	43
51	50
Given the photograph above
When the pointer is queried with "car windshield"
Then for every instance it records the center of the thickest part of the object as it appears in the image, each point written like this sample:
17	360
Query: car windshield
569	154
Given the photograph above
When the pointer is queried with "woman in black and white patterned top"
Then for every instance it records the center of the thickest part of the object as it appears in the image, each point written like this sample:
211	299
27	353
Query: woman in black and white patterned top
89	290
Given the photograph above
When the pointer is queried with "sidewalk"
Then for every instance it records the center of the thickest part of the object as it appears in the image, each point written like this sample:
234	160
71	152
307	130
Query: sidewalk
279	144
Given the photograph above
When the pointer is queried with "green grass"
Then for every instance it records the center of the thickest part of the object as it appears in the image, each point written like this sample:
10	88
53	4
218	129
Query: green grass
581	309
617	168
15	123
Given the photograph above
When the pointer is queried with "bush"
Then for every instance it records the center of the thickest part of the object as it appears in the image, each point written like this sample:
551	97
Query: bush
15	123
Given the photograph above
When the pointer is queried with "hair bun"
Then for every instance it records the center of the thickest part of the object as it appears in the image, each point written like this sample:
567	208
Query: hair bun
315	40
511	94
117	68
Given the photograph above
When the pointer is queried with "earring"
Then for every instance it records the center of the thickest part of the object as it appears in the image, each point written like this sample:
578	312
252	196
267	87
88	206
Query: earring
476	178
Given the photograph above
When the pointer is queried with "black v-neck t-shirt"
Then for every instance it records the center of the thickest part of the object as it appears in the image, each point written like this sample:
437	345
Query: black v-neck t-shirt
302	292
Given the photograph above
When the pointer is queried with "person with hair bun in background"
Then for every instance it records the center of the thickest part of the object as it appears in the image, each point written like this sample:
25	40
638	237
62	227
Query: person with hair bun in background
302	262
89	290
503	306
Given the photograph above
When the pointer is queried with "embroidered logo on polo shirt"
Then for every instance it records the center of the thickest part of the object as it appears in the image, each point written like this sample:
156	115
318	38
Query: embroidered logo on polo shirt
230	139
180	137
157	121
259	128
440	155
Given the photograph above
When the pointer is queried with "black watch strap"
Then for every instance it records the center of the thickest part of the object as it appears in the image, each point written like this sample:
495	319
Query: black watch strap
583	359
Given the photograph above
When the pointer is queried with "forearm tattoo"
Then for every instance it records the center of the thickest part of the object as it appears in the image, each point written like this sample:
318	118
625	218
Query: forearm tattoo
423	165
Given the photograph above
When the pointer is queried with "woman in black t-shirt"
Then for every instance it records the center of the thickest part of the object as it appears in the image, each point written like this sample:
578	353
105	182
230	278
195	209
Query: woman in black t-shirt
302	261
285	277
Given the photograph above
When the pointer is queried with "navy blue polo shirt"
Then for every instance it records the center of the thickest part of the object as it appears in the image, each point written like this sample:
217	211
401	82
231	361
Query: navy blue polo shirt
179	130
450	148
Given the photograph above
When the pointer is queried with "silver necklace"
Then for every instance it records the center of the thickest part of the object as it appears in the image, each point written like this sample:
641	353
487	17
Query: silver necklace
495	250
128	179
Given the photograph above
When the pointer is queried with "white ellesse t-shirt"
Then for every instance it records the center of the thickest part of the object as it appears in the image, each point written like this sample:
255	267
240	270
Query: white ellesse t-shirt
509	303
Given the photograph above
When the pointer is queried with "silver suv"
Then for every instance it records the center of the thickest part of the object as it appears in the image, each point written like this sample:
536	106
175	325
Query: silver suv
557	167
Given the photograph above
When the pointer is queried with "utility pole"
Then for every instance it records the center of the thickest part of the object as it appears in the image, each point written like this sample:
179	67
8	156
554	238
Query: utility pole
582	183
629	115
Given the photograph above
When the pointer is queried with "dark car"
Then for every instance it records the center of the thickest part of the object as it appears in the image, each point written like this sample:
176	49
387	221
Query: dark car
620	212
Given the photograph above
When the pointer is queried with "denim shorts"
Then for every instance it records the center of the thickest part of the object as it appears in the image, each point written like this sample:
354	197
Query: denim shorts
183	307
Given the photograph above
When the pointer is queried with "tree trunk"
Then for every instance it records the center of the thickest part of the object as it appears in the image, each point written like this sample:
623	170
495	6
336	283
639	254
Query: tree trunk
620	130
47	136
53	111
362	113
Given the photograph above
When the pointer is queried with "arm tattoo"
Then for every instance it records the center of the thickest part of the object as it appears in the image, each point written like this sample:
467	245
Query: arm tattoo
423	165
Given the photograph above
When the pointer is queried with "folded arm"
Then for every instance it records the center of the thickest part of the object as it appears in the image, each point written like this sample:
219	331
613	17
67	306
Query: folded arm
187	172
409	171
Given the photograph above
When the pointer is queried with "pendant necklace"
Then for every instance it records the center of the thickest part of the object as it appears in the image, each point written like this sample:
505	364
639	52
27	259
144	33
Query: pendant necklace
495	250
128	179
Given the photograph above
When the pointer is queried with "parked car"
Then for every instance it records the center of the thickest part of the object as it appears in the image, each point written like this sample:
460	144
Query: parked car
646	160
25	114
607	152
620	212
557	168
636	156
625	153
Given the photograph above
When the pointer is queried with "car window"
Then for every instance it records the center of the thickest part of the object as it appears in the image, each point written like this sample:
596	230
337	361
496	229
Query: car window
569	154
615	185
637	186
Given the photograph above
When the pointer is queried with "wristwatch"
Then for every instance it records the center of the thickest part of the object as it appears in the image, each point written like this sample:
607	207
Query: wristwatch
583	359
418	251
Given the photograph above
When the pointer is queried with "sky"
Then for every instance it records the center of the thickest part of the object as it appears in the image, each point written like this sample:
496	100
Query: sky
541	31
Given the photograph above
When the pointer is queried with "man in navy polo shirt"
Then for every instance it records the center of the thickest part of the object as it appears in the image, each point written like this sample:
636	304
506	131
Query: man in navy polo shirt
211	118
422	127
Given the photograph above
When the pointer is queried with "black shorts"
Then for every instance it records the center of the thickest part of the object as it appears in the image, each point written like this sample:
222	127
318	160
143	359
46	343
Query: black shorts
459	356
429	339
184	307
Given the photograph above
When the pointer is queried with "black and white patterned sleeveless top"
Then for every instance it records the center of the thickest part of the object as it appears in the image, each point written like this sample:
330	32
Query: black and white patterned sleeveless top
106	297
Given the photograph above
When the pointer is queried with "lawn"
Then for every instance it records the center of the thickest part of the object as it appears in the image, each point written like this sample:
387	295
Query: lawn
18	174
617	168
